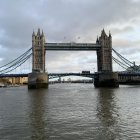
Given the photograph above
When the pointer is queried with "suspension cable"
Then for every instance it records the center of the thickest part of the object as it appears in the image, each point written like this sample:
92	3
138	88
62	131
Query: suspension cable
120	63
19	64
21	56
123	58
23	61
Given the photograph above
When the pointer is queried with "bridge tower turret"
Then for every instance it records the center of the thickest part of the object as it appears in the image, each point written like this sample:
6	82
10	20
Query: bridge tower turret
38	51
104	55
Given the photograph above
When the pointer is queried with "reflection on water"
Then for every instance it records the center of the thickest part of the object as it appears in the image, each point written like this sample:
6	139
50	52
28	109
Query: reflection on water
108	114
37	118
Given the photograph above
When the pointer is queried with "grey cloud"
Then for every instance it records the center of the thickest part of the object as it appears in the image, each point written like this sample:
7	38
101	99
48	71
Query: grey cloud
119	30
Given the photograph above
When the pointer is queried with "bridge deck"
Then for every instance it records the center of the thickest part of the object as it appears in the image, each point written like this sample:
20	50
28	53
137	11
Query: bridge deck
91	75
72	46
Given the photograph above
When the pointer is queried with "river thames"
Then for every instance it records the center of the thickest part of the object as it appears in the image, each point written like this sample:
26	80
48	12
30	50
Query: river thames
70	112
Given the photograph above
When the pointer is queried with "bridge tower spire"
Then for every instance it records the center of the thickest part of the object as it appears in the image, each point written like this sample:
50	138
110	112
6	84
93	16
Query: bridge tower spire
38	50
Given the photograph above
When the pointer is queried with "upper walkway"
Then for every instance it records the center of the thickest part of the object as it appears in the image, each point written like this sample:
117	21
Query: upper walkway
72	46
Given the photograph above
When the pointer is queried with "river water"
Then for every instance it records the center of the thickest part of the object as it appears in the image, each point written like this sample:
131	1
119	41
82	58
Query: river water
70	112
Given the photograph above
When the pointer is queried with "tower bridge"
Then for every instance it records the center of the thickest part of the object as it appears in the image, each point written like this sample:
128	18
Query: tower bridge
39	77
103	48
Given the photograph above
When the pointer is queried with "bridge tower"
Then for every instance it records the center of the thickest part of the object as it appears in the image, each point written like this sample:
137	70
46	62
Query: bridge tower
38	78
105	75
38	51
104	55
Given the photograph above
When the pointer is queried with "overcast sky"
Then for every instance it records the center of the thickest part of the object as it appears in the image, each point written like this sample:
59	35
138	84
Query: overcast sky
67	21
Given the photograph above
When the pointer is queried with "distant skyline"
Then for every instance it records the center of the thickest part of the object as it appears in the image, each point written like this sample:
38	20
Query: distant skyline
69	21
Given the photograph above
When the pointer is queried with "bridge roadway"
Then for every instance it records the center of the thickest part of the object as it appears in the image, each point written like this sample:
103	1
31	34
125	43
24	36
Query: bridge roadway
51	75
72	46
56	75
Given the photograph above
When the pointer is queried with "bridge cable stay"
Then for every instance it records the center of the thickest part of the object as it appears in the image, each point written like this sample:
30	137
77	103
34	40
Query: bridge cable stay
21	56
19	64
120	63
123	58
